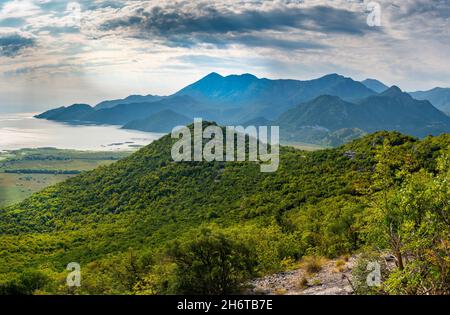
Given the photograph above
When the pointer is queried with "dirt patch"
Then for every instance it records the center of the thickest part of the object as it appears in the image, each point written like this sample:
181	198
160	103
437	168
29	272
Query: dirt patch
333	278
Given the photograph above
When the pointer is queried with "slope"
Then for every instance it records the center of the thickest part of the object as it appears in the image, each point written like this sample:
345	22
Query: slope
329	117
163	121
142	203
439	97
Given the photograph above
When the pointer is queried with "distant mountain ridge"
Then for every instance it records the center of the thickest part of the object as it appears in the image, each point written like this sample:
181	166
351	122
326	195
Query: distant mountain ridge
162	121
247	96
439	97
375	85
128	100
329	110
320	119
227	99
75	112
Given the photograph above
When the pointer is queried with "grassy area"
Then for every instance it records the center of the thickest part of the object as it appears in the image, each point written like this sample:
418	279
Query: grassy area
16	187
304	146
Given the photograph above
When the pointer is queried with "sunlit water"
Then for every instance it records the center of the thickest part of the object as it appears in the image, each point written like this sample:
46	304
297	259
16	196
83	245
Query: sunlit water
19	131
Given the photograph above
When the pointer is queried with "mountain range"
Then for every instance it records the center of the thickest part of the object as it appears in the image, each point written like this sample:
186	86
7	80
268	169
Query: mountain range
439	97
325	117
329	110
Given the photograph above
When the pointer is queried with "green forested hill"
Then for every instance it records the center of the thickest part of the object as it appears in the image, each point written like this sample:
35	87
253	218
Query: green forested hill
149	225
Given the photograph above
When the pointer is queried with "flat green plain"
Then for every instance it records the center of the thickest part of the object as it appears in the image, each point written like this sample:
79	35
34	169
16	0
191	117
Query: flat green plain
30	163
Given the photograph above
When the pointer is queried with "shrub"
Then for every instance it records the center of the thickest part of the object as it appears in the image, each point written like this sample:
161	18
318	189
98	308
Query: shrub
313	264
212	263
302	283
26	284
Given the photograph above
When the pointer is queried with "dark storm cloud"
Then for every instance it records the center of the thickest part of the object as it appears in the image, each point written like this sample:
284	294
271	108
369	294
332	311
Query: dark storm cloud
12	45
209	25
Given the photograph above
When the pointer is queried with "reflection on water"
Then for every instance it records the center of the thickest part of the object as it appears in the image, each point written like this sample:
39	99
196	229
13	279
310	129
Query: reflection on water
19	131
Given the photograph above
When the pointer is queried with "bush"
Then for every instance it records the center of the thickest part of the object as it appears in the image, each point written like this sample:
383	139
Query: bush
211	264
26	284
313	264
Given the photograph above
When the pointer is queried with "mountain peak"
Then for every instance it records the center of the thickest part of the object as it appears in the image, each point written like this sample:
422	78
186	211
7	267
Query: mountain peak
332	76
392	91
77	105
213	75
248	75
375	85
242	77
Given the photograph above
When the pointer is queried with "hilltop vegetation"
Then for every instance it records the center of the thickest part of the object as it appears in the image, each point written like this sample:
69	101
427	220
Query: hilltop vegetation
148	225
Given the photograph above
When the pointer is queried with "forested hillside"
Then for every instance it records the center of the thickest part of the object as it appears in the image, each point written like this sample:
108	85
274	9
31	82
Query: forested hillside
148	225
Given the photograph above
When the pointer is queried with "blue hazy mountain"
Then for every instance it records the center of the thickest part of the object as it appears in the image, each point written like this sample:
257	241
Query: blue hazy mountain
244	97
439	97
328	110
162	121
75	112
258	121
375	85
323	118
125	113
232	99
128	100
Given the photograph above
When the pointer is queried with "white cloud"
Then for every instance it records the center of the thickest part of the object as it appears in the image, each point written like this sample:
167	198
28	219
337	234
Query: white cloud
410	49
19	9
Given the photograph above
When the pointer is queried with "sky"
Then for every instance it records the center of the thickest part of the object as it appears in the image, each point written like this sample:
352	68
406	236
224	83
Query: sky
55	52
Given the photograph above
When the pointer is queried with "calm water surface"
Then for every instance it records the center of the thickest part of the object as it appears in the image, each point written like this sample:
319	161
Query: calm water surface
19	131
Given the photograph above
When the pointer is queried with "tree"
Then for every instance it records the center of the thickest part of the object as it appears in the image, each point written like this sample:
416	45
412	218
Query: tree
412	216
211	264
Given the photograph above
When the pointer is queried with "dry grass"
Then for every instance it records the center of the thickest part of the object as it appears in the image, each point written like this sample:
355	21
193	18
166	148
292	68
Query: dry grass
313	264
316	282
340	263
302	283
280	291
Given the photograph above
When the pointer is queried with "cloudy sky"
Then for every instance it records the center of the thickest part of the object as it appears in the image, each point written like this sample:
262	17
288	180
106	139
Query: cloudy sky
56	52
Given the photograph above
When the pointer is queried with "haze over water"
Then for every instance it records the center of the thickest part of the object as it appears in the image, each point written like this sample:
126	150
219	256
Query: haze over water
21	130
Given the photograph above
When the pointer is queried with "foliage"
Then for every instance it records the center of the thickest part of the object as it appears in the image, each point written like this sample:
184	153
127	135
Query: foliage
411	217
211	264
143	224
362	271
27	283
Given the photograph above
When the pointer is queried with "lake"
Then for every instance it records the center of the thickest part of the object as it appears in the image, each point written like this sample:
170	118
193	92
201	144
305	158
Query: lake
19	131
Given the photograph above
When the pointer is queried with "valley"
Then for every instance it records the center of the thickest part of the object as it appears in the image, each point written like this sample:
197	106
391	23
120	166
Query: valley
24	172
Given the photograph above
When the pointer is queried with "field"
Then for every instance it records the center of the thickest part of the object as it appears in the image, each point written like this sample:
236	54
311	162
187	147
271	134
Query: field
26	171
304	146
